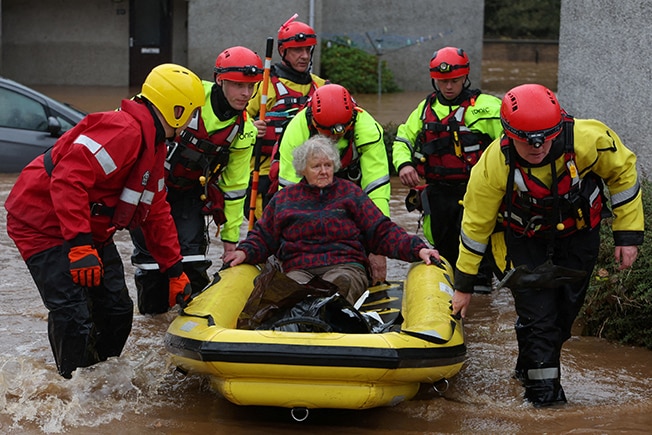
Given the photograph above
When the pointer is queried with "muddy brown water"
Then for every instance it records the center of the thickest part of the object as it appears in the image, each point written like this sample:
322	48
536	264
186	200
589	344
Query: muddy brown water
608	385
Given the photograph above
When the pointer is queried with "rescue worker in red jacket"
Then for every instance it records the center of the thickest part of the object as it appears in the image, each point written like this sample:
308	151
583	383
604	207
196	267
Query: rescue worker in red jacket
544	180
207	173
440	142
103	175
291	84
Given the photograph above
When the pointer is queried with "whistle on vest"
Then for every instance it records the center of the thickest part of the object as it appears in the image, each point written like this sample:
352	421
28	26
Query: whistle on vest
203	179
457	144
420	157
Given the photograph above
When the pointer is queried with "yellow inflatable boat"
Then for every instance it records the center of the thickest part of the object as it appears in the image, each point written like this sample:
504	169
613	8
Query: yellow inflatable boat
309	370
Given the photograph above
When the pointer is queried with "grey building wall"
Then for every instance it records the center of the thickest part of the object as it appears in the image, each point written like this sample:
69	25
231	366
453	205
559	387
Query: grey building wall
65	42
411	30
428	24
86	42
216	25
605	67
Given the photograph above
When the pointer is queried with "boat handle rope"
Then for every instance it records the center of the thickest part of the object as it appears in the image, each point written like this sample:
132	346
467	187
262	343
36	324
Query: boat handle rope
208	317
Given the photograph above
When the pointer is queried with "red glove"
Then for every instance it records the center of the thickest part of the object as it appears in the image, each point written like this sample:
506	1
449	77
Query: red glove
180	290
85	266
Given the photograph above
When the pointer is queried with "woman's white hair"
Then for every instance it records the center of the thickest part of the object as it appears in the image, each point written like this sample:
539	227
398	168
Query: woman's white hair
315	146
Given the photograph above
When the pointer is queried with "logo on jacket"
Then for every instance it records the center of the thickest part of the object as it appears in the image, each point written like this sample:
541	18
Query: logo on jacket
246	135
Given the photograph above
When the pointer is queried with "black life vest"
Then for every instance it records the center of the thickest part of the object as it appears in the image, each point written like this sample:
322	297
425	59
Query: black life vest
534	210
197	153
447	149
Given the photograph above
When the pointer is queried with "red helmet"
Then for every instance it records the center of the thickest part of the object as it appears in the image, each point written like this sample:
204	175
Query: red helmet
531	113
449	63
239	64
332	109
295	34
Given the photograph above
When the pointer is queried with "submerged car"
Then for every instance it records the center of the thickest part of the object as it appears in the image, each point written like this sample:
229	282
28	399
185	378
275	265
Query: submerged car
30	123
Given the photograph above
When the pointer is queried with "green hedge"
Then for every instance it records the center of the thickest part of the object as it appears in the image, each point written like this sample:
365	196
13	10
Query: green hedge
354	68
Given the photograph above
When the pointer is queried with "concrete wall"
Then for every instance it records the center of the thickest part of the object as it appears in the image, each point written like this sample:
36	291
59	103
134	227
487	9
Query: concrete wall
214	26
65	42
438	22
411	30
85	42
605	67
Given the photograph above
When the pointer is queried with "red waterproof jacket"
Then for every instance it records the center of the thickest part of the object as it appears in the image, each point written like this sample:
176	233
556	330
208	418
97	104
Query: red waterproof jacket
92	165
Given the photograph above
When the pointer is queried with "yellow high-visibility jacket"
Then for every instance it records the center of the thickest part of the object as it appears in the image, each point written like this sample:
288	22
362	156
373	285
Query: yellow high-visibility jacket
598	149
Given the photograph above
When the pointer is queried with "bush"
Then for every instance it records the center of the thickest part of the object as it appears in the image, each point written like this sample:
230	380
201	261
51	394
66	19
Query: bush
522	19
355	69
618	304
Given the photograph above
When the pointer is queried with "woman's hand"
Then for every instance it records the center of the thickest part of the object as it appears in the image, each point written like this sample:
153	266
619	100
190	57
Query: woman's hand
425	254
233	258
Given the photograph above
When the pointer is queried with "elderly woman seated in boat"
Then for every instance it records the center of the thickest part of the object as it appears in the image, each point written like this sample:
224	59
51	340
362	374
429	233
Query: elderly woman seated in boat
326	226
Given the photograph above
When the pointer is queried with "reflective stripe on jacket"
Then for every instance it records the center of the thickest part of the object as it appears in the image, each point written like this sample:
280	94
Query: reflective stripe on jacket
477	125
49	210
598	150
233	173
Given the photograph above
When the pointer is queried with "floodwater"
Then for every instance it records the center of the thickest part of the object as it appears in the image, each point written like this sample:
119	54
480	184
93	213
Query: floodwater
608	385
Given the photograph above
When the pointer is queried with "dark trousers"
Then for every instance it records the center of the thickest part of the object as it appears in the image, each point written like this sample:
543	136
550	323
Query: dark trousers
151	284
85	325
546	315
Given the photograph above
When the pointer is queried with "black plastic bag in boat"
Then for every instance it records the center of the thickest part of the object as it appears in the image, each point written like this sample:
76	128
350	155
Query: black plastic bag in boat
274	291
545	276
377	326
320	314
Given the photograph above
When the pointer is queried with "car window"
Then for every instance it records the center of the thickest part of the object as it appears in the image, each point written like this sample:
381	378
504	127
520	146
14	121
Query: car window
19	111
